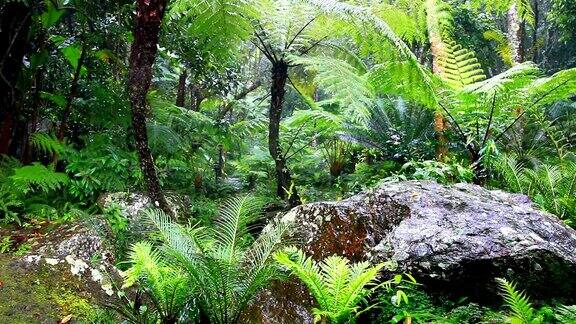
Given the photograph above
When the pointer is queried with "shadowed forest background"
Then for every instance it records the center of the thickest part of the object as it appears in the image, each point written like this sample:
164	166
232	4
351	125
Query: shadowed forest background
159	148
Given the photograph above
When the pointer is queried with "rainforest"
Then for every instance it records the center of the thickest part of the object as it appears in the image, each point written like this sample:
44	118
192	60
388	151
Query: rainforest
288	161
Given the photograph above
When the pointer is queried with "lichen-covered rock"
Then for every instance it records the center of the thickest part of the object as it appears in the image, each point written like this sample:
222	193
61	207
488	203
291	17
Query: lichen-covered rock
75	250
452	238
131	203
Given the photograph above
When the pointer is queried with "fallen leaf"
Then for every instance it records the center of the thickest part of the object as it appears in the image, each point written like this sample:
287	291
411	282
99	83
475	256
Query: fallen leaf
66	319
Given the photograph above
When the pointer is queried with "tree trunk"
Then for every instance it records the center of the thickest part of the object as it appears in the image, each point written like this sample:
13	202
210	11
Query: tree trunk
15	20
181	96
283	177
535	45
438	51
196	97
515	34
219	166
149	14
71	95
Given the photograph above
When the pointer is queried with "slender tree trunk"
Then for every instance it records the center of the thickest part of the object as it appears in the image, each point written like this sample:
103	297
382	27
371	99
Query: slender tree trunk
15	20
515	34
535	45
219	167
438	52
181	96
283	177
196	97
149	14
71	96
32	125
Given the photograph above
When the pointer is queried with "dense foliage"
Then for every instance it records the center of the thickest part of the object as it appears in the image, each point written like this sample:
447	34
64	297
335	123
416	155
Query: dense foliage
291	101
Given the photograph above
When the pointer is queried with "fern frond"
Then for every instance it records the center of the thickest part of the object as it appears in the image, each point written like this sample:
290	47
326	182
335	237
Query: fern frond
347	84
518	302
511	80
219	26
460	67
306	270
502	45
512	172
566	314
232	224
561	85
28	177
369	22
47	143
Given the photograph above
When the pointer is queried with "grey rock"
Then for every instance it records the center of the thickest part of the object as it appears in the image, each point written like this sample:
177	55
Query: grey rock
131	204
454	239
76	250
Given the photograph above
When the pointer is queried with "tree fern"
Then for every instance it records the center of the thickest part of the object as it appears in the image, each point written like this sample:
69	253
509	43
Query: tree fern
524	7
218	25
337	286
521	310
226	267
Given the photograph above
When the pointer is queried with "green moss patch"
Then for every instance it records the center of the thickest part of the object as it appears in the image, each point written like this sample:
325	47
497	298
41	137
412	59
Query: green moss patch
43	296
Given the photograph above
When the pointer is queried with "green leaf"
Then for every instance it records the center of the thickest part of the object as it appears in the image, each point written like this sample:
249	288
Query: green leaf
51	15
57	99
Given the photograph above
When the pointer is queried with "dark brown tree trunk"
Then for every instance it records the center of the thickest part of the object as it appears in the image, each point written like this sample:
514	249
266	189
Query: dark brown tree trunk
181	95
14	26
32	125
219	167
71	96
149	14
196	97
283	177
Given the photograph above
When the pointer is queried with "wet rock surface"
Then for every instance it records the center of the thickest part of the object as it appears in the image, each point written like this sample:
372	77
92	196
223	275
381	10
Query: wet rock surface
454	239
67	272
75	250
130	204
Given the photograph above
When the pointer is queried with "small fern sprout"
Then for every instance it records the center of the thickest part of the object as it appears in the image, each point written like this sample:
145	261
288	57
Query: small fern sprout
521	310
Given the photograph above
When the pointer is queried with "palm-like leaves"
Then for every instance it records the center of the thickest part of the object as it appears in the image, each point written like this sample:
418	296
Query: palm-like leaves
551	186
399	131
218	25
337	286
168	287
225	270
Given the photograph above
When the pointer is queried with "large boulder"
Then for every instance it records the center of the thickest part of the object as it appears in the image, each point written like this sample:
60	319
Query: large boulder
455	239
76	250
61	272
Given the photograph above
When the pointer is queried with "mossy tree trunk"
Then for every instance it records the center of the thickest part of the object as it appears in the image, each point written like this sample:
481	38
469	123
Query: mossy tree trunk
149	14
515	33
